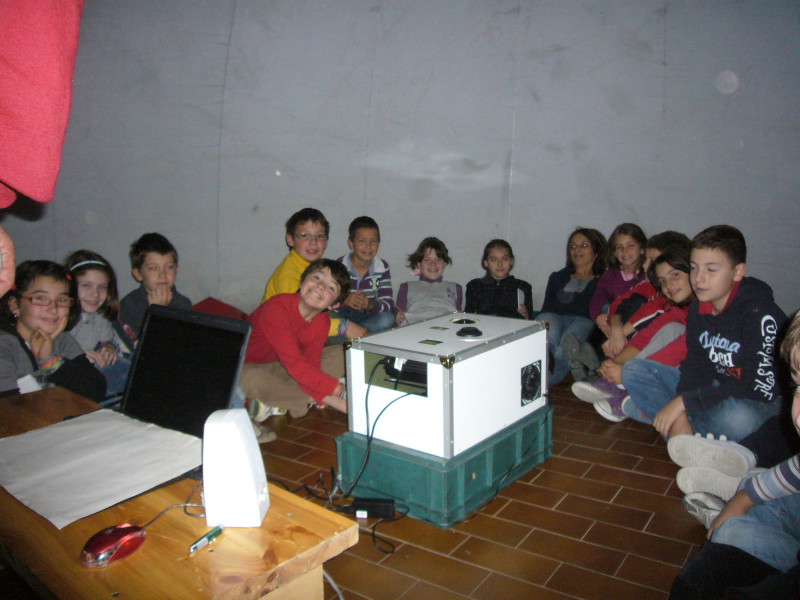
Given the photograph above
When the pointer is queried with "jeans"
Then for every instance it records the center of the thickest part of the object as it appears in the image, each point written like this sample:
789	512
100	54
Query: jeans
652	385
116	375
769	531
736	418
372	322
558	327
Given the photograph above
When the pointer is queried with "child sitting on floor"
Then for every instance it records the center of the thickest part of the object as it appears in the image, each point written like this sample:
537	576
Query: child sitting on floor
431	296
728	383
498	292
755	539
627	314
97	293
35	349
287	363
154	264
307	233
626	258
370	302
661	340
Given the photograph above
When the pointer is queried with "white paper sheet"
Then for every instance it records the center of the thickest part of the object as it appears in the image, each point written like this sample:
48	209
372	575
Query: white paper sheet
81	466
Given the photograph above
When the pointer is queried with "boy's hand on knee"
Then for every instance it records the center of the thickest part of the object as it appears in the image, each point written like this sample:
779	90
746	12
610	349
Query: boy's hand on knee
736	507
668	415
611	371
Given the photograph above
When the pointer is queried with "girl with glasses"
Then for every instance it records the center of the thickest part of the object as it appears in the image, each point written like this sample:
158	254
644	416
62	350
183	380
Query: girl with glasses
35	349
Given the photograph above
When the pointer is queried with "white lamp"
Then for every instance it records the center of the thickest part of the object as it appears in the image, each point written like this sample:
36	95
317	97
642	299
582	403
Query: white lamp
234	481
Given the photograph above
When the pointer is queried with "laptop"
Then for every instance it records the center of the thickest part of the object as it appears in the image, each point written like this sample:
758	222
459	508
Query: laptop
185	367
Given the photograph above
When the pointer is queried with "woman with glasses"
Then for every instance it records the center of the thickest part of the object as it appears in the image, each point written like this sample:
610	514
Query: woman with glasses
35	350
565	309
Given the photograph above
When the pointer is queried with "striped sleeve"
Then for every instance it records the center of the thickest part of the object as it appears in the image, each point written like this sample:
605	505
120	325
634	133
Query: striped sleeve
777	482
384	299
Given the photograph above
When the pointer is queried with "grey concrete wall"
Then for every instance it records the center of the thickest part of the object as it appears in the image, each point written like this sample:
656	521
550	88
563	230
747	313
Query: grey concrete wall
212	121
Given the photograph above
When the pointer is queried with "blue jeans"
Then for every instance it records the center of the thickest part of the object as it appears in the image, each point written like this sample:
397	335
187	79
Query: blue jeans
372	322
736	418
769	531
559	326
652	385
116	375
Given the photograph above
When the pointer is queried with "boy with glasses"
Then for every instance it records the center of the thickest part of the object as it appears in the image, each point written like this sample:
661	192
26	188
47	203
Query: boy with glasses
307	233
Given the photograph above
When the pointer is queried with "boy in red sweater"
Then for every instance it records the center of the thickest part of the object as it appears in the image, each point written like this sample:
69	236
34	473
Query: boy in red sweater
287	364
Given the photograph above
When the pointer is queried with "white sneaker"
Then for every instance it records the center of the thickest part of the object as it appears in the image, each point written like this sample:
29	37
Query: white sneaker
611	409
703	506
706	479
722	455
260	412
263	434
588	392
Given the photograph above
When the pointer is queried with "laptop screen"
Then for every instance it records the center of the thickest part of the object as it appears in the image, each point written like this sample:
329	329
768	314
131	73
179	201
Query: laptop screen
185	367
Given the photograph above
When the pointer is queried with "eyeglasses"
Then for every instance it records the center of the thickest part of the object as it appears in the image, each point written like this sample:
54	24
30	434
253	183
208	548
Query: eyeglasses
320	237
584	245
44	300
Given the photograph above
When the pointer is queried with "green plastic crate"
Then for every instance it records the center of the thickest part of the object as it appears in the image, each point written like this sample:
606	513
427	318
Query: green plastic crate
446	491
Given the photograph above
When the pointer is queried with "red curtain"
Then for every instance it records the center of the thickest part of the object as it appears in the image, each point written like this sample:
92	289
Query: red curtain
38	45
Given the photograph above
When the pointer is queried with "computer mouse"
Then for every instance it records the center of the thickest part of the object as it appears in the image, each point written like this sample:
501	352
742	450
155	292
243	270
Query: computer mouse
112	544
469	332
463	321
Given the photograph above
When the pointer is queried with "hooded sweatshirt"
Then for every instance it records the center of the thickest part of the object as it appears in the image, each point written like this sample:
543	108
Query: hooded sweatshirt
732	354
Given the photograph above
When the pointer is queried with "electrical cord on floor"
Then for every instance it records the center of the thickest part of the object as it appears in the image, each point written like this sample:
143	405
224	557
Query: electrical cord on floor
377	540
370	432
333	497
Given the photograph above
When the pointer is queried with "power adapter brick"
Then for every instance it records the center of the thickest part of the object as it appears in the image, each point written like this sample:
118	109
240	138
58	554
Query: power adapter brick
373	508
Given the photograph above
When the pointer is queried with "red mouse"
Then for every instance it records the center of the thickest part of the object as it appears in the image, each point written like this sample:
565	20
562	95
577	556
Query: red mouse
112	544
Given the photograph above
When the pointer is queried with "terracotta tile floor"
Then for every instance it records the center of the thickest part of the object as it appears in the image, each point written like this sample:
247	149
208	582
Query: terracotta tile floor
601	519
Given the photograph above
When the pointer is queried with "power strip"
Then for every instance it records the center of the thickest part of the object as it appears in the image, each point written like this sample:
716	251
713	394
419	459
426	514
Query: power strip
373	508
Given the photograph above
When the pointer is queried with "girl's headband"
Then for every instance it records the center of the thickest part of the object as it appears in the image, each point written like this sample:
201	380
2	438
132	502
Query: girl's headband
88	262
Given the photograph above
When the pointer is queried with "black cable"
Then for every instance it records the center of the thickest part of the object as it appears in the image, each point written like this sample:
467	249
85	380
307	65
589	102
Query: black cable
370	436
377	540
383	361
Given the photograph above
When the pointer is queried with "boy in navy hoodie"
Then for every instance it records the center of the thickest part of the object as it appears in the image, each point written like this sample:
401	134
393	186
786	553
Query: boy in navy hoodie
755	538
728	383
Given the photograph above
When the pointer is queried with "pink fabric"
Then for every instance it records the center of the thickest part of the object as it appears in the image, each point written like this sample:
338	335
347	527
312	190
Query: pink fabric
38	45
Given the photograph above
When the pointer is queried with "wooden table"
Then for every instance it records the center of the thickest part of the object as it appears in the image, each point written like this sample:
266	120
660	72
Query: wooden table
282	558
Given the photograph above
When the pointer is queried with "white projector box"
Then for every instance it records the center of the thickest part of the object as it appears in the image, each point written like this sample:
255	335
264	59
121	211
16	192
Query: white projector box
234	481
476	386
